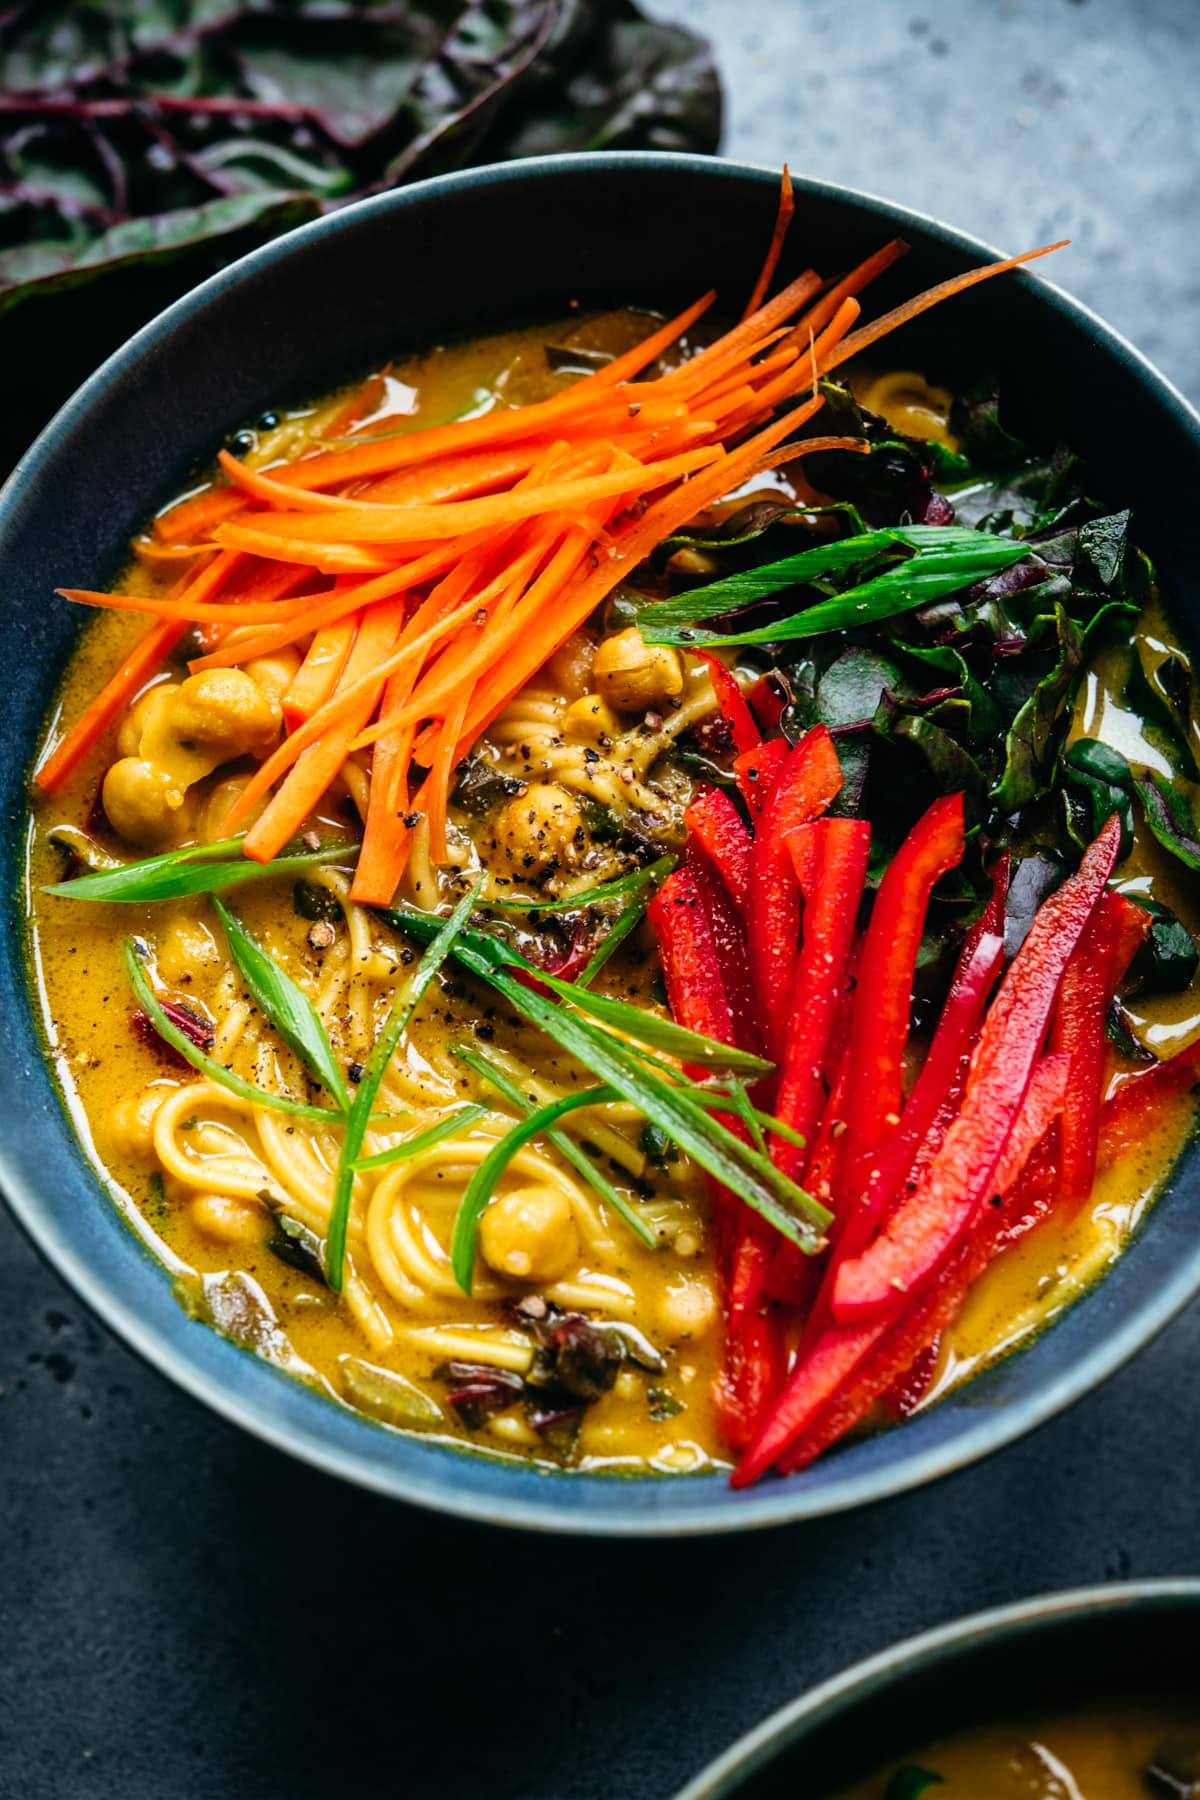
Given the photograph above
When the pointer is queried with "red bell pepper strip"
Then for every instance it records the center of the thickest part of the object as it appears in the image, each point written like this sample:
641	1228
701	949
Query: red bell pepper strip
913	1384
715	822
752	1377
883	999
732	703
808	780
757	771
768	700
691	957
849	1367
729	943
928	1224
830	860
1139	1105
1137	1109
1111	940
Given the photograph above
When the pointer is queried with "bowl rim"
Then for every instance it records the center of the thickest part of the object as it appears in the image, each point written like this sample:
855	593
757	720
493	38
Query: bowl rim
673	1513
722	1778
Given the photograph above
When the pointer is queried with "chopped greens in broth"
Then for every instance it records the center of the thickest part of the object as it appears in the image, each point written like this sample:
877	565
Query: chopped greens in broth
461	943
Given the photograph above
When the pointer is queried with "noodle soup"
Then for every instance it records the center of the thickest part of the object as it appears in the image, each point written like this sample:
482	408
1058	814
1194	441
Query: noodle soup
600	1243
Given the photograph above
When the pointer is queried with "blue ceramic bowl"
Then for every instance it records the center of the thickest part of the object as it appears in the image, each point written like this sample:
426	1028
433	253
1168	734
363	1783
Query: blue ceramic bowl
1130	1641
455	255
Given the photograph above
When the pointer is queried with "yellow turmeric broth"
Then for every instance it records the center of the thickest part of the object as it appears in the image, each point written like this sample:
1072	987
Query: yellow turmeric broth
1128	1750
207	1180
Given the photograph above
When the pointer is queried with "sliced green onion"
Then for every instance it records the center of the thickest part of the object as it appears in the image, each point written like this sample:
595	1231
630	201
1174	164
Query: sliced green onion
607	890
945	559
199	869
404	1003
625	923
482	1184
208	1065
794	1213
424	1140
566	1147
284	1005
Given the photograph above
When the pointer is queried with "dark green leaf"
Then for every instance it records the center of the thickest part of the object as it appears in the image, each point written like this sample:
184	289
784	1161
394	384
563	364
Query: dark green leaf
1097	782
662	1404
910	1781
1035	731
284	1005
386	1396
1169	817
1160	692
200	869
1167	961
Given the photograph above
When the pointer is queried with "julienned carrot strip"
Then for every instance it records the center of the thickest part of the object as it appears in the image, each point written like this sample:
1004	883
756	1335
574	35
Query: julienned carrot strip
364	523
783	218
317	675
377	458
743	341
800	374
327	558
317	766
386	829
321	609
357	405
457	478
139	665
197	514
869	334
660	519
867	271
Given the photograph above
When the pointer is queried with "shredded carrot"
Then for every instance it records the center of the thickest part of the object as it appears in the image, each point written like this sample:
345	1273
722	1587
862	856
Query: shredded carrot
463	555
957	284
317	766
317	675
783	218
146	656
194	517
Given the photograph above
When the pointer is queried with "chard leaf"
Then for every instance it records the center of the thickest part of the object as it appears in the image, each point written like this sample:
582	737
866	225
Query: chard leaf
142	146
405	1001
1032	737
207	1065
1161	695
911	1781
1169	817
1097	782
284	1005
1166	963
200	869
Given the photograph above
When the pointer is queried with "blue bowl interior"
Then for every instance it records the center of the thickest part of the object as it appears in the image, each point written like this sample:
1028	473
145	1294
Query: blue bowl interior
1026	1662
443	259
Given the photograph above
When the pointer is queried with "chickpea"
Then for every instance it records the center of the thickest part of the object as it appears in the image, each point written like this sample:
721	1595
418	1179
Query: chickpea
225	1219
183	950
571	665
540	828
145	804
635	676
224	712
274	674
529	1234
131	1125
687	1309
592	718
142	716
